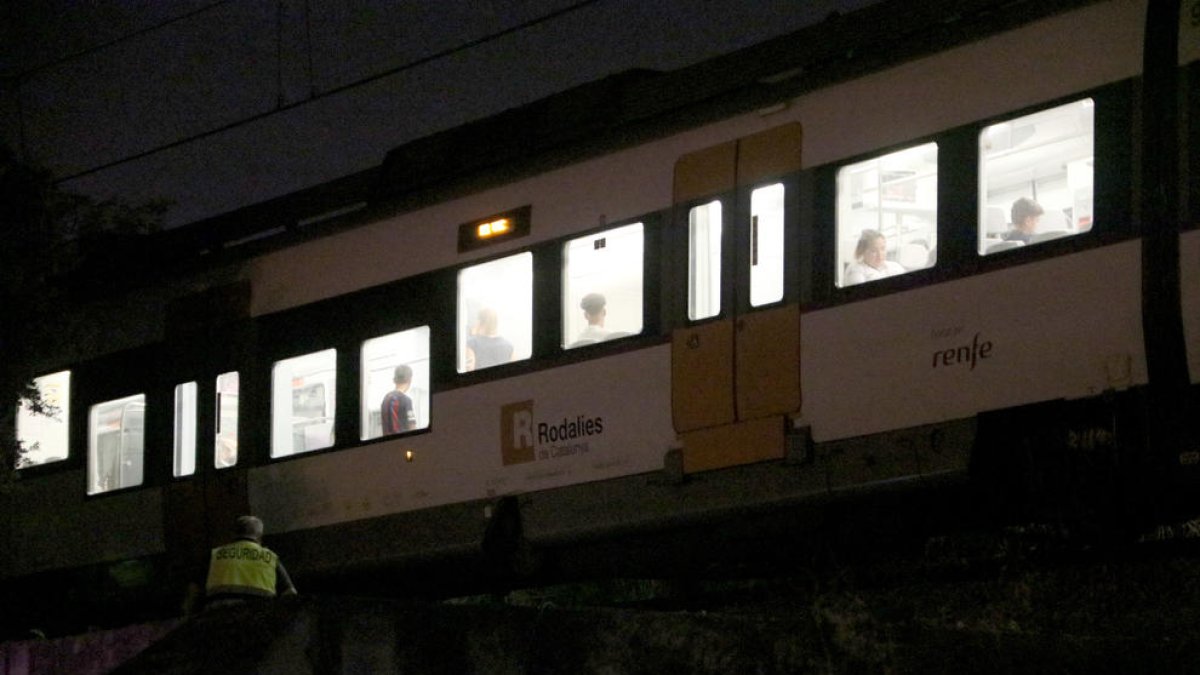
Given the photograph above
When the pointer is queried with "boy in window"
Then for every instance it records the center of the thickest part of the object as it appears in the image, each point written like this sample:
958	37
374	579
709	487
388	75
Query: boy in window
396	411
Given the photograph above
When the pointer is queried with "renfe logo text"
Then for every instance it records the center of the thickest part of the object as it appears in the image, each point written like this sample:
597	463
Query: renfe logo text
963	354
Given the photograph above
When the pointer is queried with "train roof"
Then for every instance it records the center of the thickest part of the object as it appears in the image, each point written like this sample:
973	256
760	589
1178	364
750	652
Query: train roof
618	111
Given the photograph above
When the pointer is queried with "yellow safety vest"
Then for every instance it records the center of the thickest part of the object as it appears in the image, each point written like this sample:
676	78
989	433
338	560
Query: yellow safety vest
244	568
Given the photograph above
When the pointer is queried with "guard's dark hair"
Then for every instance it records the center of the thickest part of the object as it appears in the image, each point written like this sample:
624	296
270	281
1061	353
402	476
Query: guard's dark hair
249	527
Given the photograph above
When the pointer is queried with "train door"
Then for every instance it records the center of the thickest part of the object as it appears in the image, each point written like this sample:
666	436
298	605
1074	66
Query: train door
208	337
207	489
735	362
226	495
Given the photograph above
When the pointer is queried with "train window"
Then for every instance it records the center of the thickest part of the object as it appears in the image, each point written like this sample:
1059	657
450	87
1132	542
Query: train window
303	403
395	383
495	312
1035	177
42	433
116	438
704	261
766	245
225	443
602	286
184	463
887	215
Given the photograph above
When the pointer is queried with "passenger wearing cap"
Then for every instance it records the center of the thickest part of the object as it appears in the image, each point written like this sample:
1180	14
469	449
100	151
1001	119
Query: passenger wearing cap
593	310
246	569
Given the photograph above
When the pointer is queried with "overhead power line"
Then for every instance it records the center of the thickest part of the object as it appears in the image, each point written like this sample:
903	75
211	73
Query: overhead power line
284	107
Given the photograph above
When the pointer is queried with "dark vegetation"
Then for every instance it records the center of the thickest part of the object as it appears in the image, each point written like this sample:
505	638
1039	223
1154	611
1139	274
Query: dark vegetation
51	241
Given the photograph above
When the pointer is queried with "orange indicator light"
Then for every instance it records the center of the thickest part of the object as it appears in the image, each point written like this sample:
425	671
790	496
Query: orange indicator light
408	455
493	228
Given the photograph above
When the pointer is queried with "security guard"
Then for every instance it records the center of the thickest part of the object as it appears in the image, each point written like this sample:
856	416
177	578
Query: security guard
245	569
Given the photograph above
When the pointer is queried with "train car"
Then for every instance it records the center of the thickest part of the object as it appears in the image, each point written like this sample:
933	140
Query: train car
908	249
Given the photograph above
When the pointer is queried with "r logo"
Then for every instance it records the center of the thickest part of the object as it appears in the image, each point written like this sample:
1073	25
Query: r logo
516	433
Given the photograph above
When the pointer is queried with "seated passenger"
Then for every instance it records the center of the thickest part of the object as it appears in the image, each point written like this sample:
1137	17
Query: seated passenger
485	347
870	260
1025	216
593	306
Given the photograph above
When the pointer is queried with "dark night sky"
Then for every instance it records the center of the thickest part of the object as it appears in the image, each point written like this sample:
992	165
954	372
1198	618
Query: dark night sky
217	105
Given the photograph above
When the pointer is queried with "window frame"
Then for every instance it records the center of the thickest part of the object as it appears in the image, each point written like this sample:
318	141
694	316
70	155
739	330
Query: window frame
330	393
561	297
239	456
461	330
981	199
725	257
139	399
31	469
195	431
795	266
367	405
1112	176
836	269
752	239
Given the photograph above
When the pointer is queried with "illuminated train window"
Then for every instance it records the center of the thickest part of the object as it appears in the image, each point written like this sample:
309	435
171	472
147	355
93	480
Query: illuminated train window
1035	177
704	261
495	312
887	215
225	443
303	402
766	245
42	434
395	383
602	286
184	462
116	441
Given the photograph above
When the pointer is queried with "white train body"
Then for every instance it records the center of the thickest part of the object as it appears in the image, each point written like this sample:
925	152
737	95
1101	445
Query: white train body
899	374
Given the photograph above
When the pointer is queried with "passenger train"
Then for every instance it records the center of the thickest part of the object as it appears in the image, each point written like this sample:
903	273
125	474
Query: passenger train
915	246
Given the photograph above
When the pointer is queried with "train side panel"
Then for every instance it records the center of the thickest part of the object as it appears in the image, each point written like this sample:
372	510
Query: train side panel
57	528
583	422
1067	327
1004	72
612	188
